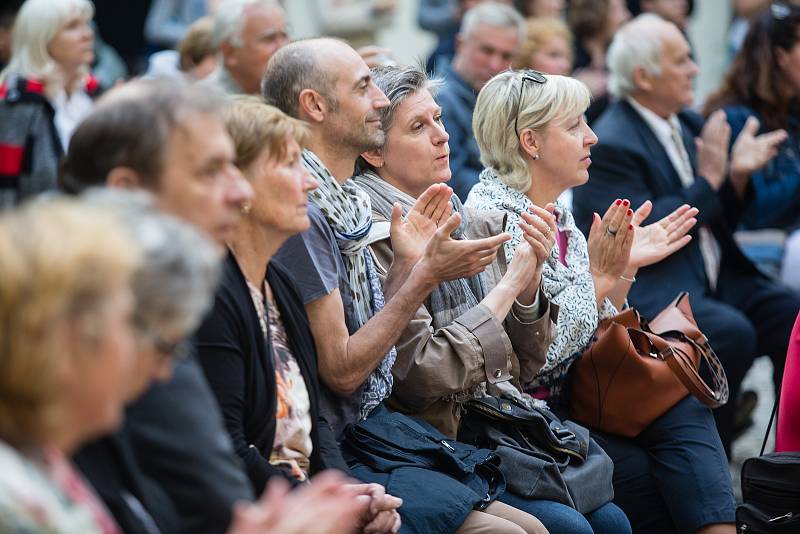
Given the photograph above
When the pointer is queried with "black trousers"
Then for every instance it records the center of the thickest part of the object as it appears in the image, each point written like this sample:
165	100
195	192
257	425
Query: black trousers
744	318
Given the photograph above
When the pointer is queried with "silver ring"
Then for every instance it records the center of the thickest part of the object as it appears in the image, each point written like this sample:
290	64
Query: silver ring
611	232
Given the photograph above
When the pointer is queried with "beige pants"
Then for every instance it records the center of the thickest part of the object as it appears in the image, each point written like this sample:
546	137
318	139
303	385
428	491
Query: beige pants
500	518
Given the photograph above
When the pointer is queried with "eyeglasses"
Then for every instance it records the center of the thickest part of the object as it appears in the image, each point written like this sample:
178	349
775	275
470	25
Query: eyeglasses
780	11
528	75
174	350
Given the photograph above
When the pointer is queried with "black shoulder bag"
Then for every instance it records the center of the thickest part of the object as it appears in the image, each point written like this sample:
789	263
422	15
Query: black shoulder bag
770	490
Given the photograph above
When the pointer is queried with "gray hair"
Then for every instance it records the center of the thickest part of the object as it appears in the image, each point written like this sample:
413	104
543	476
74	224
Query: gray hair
293	69
178	271
495	15
36	24
130	127
230	17
539	104
398	83
638	44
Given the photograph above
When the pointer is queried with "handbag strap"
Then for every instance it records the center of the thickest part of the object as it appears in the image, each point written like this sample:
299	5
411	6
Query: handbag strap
771	419
682	366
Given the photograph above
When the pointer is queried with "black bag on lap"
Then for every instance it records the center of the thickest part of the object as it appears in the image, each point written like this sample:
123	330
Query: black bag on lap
542	457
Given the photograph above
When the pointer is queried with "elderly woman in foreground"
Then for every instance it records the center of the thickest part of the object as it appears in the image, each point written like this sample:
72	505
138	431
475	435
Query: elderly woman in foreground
488	333
255	346
68	348
535	143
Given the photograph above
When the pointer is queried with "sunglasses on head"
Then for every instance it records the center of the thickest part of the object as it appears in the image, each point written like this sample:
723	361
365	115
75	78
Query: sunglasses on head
528	75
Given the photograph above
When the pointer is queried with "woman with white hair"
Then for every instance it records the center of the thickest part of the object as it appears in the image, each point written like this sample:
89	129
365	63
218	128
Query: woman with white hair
535	142
45	92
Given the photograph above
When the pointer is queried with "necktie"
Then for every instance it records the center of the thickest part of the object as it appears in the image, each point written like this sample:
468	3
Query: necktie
709	248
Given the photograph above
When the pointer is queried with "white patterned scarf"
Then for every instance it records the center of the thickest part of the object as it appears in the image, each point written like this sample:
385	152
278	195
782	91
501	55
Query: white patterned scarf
572	287
348	211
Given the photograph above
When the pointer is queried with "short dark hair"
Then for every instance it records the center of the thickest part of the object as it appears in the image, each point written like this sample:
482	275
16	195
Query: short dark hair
292	69
131	127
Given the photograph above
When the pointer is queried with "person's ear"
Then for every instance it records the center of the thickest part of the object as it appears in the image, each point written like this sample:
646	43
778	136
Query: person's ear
530	142
374	157
459	42
642	80
228	58
124	178
313	105
781	58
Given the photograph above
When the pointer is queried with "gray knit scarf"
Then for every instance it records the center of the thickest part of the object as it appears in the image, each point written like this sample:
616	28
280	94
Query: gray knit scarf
450	299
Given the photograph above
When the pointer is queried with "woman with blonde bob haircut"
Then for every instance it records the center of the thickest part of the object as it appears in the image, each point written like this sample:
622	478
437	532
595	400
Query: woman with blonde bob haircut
535	142
68	348
45	92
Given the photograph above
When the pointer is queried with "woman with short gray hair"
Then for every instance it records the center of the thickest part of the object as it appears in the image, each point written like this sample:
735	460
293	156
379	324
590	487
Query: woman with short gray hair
481	335
535	142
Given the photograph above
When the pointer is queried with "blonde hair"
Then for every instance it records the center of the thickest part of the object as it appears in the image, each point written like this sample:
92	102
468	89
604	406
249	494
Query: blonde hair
37	23
541	30
254	125
61	262
540	104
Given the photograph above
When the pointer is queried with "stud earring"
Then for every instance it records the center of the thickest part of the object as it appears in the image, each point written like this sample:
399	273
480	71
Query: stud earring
244	209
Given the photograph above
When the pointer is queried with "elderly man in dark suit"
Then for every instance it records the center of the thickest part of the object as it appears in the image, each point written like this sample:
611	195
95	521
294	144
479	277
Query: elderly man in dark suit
649	150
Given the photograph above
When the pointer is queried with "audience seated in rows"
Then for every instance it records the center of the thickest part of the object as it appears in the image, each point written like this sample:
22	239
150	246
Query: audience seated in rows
479	335
761	92
169	139
255	346
673	477
354	322
647	150
489	38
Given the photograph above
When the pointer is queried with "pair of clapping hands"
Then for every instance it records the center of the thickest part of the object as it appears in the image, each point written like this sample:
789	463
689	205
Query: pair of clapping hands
423	237
330	504
618	244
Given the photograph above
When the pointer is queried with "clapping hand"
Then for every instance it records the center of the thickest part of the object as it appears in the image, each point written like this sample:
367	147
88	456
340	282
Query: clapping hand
654	242
410	234
446	258
751	152
539	235
610	240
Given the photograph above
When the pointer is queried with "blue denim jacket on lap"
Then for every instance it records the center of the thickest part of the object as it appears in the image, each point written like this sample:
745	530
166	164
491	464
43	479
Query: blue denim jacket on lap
775	190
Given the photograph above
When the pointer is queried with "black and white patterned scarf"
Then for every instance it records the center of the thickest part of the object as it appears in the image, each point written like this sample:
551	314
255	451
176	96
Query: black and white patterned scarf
572	287
349	213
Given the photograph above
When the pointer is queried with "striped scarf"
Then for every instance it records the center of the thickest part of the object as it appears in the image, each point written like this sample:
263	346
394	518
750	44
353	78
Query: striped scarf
349	213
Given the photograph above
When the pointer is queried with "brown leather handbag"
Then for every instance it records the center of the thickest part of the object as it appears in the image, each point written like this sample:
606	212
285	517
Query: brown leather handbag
634	371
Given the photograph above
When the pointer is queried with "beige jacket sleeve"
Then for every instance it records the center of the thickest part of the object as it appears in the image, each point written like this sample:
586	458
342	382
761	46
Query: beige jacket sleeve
475	348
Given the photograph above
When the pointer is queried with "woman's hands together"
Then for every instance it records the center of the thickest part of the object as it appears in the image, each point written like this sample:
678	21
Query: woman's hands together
539	236
656	241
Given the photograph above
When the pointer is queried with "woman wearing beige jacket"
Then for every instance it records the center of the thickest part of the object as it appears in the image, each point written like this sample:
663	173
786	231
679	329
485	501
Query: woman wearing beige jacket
487	333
